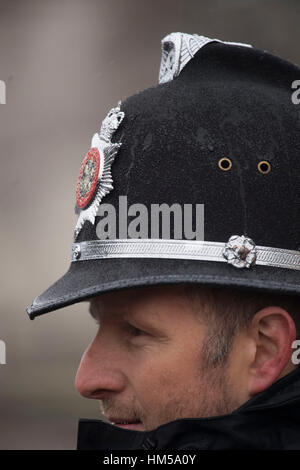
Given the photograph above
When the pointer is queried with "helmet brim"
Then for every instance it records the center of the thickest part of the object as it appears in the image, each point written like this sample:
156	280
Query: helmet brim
86	279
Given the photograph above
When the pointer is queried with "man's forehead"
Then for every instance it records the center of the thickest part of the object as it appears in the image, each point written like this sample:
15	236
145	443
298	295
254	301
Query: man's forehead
120	306
140	301
117	301
100	306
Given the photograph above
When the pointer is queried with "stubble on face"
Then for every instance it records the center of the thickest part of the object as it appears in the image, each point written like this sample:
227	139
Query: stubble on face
210	394
128	411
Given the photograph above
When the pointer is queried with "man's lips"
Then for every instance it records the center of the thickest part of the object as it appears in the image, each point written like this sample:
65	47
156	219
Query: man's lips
127	424
133	426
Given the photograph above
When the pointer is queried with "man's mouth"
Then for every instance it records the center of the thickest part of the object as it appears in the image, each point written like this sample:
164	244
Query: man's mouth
127	424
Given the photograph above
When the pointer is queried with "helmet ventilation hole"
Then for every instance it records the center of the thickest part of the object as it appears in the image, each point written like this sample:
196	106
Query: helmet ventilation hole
225	164
264	167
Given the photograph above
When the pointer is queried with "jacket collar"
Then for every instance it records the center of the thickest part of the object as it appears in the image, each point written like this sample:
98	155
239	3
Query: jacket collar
260	423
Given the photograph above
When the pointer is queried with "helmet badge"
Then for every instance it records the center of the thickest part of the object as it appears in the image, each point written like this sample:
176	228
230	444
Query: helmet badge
95	179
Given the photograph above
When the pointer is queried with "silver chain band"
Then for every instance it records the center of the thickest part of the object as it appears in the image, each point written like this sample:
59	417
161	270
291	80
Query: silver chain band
179	249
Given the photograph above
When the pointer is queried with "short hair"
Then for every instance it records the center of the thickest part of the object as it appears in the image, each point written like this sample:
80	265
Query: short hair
228	311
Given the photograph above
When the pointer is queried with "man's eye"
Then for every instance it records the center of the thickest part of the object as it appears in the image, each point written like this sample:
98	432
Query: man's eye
133	331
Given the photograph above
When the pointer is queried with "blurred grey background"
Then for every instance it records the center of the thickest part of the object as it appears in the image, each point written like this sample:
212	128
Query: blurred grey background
65	64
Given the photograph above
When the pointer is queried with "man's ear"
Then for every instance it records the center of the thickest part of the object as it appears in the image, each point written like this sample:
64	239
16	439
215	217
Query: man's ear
274	331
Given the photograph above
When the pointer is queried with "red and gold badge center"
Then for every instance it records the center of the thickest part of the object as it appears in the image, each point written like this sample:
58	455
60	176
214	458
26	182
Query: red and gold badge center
88	177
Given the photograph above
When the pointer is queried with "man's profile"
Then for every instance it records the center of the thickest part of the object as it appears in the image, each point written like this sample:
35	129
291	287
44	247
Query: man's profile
165	353
195	338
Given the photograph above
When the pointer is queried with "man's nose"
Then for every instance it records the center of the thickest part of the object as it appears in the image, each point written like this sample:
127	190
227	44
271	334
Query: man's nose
100	371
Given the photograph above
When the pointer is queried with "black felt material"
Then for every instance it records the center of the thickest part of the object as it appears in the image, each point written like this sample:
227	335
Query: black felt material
229	101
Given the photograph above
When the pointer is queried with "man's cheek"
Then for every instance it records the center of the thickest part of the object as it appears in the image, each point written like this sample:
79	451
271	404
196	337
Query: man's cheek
151	387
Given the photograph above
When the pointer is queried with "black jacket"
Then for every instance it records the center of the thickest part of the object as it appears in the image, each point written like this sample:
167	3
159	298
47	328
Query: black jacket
269	420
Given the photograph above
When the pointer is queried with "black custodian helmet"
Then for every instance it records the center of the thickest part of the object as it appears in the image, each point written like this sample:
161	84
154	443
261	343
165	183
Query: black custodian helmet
216	145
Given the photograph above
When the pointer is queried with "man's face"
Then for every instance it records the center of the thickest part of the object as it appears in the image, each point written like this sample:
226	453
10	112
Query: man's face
146	364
